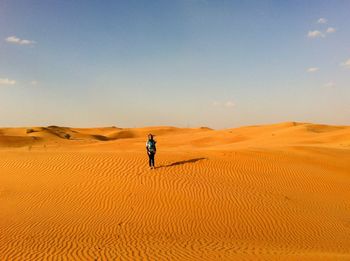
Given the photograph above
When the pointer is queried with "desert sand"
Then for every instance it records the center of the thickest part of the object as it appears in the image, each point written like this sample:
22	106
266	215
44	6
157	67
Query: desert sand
269	192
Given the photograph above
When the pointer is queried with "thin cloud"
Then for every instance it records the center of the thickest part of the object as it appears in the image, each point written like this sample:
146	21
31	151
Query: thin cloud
6	81
34	82
312	69
331	30
16	40
215	103
229	104
322	20
330	84
346	64
315	34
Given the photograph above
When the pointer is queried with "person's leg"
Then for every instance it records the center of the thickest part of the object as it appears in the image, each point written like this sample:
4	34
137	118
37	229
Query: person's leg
153	160
149	160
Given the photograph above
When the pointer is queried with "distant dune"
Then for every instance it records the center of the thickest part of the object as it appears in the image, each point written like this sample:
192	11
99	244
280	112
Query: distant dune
279	191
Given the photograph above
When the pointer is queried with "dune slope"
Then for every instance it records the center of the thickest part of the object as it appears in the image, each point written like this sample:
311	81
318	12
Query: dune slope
260	192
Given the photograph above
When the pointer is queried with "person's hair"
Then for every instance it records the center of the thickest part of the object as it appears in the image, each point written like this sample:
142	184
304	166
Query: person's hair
150	136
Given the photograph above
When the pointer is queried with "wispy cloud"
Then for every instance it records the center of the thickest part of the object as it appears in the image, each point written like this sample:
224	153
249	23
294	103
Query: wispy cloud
215	103
6	81
346	63
315	34
227	104
312	69
16	40
331	30
322	20
34	82
330	84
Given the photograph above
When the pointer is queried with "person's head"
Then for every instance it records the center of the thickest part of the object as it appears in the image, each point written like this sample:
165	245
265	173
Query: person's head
150	136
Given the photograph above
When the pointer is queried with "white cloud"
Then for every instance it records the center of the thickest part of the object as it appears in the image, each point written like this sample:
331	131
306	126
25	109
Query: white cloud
331	30
229	104
322	21
16	40
6	81
330	84
312	69
34	82
315	34
215	103
346	63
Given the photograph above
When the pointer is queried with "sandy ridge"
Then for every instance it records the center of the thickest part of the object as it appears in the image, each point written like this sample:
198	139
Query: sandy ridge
213	201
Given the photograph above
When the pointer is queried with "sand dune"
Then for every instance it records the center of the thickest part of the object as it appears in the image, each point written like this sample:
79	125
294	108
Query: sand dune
277	192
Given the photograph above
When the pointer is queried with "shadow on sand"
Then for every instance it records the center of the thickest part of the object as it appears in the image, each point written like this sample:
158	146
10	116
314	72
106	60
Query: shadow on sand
181	162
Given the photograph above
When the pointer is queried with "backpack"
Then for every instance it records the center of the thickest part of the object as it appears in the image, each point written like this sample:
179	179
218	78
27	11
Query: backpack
151	145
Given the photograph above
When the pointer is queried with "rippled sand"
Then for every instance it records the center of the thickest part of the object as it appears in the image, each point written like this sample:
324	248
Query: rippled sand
277	191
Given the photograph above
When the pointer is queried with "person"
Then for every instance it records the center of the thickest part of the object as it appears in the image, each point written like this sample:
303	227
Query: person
151	150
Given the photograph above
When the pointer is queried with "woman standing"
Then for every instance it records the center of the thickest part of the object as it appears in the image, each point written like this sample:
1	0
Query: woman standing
151	150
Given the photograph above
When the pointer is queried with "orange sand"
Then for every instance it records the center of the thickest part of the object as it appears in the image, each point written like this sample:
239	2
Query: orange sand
279	192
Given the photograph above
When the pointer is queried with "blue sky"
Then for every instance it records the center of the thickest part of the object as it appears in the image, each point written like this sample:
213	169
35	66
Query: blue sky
184	63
